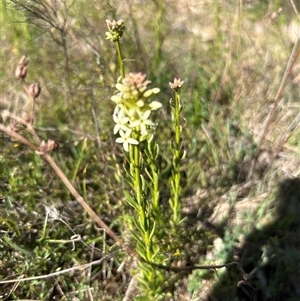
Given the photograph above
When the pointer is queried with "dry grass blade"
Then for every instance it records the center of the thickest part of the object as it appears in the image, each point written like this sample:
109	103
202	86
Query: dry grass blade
80	267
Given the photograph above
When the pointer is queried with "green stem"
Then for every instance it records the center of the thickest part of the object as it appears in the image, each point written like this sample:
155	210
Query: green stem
177	125
44	229
159	37
144	218
120	59
138	184
155	193
176	189
151	156
80	158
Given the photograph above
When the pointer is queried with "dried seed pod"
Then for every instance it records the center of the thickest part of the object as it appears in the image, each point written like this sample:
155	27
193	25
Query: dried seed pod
52	145
34	90
21	70
42	148
47	147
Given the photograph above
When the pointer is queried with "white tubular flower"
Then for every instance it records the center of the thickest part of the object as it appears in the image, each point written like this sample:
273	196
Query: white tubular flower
142	122
121	120
126	139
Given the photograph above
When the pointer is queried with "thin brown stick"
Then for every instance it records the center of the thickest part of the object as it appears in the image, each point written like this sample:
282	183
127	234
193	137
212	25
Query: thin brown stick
86	207
295	9
64	179
194	267
26	124
17	136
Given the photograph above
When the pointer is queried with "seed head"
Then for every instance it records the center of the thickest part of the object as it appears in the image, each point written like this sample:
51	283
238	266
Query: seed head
116	30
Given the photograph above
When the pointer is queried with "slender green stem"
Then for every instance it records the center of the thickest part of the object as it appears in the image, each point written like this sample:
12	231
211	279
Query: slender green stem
44	228
138	184
159	37
144	217
155	191
177	124
80	157
120	59
175	182
151	157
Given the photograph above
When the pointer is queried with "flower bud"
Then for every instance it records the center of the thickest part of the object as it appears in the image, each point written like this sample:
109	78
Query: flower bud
176	84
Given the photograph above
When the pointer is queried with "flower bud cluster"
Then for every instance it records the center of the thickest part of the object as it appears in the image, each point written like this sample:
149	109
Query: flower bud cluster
133	109
116	30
